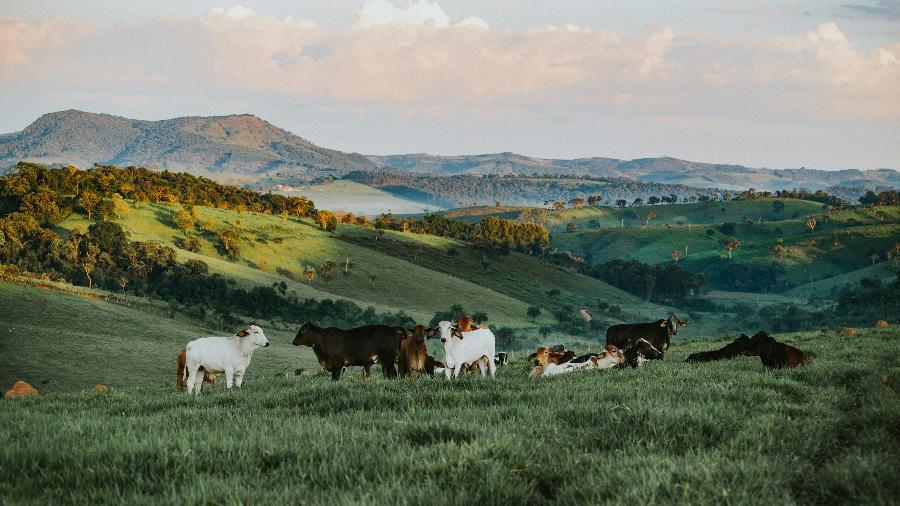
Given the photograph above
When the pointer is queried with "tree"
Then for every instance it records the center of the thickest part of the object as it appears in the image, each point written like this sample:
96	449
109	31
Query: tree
545	332
562	315
184	220
88	200
559	206
191	243
577	202
594	200
310	272
230	239
778	251
456	311
675	254
731	245
811	224
533	312
479	317
653	200
621	203
777	207
553	292
452	253
571	227
505	337
875	257
327	269
638	202
728	228
89	260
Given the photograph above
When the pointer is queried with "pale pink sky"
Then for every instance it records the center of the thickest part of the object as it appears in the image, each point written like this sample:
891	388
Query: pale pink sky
763	84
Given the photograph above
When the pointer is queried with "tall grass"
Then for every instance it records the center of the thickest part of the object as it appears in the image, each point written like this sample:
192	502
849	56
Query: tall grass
731	432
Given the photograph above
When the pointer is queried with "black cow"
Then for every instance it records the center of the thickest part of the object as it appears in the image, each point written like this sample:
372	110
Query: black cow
363	346
740	346
640	353
658	333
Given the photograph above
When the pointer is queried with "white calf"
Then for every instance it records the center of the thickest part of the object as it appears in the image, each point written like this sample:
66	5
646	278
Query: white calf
230	355
465	347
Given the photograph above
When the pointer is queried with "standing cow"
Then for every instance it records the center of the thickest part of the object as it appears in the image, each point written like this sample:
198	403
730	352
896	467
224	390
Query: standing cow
363	346
658	333
465	348
230	355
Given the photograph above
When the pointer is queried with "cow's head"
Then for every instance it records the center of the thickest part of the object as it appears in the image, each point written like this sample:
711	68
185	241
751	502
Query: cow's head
305	332
448	330
254	335
672	323
611	356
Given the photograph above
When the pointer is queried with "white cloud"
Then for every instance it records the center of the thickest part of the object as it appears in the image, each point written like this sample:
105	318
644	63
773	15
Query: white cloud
416	58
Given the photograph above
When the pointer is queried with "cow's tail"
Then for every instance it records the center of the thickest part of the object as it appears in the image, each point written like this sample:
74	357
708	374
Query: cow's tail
181	374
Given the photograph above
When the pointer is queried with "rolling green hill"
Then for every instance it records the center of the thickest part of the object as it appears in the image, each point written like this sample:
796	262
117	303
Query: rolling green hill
411	272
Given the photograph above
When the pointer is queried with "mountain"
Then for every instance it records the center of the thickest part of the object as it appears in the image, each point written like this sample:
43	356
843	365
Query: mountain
652	170
229	144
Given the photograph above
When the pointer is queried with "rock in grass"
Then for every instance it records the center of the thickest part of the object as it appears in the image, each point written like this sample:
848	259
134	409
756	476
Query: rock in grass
21	389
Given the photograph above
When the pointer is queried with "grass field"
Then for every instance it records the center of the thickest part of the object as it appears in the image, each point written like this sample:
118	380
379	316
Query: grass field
731	432
358	199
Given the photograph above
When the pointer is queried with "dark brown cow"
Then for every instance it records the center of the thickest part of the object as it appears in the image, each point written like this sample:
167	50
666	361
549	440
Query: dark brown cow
658	333
777	355
413	356
363	346
740	346
181	373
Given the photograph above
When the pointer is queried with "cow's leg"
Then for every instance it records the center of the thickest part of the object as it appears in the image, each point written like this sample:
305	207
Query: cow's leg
192	385
336	372
238	378
389	369
483	366
229	377
366	371
448	371
456	370
492	367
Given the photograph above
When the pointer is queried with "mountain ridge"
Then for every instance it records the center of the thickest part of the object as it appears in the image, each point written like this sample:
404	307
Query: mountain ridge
247	144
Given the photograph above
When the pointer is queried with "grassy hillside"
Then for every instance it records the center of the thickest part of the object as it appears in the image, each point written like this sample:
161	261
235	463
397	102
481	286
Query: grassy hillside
669	433
841	243
59	341
611	217
412	272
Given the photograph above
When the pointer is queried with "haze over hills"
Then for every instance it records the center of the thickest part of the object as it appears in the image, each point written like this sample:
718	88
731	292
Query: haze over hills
652	170
246	144
230	144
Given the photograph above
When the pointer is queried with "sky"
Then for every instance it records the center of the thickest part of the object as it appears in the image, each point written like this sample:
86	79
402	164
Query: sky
811	84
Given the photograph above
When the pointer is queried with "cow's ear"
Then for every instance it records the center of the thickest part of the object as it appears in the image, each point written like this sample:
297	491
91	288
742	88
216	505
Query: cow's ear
243	333
664	323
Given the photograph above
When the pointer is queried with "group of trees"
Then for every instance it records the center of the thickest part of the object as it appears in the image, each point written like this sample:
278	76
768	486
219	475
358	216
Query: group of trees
660	283
492	232
36	198
885	198
96	191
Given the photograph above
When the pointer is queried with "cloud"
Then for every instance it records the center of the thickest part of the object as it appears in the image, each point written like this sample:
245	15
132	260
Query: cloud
415	59
887	9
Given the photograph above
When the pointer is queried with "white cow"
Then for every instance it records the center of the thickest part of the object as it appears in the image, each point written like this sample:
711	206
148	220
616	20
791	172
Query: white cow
465	348
230	355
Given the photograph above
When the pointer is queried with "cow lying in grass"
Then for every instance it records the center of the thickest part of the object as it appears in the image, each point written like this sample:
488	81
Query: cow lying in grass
230	355
770	352
777	355
606	359
546	355
641	352
740	346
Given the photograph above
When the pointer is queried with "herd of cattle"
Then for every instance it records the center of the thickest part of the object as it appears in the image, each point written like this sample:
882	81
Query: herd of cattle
467	348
